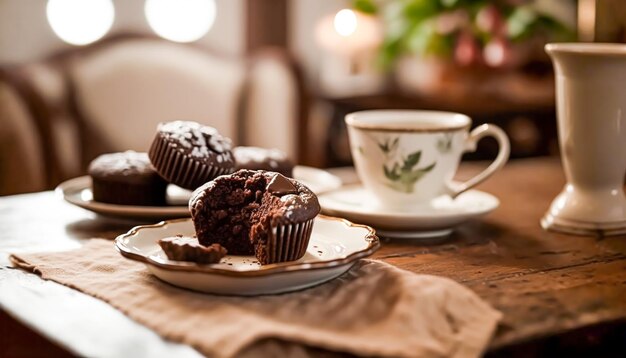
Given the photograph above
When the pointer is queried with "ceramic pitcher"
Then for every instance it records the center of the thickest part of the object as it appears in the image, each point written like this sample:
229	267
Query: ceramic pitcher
591	110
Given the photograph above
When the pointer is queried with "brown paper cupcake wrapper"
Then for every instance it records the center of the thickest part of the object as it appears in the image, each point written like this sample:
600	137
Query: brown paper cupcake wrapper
179	169
289	242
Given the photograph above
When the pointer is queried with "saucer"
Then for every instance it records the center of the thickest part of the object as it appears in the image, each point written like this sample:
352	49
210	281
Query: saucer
436	219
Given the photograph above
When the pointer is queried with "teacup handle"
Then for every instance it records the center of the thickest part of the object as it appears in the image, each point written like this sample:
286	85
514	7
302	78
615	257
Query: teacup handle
474	137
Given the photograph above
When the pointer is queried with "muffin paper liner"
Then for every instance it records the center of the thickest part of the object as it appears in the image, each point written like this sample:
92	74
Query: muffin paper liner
180	169
289	242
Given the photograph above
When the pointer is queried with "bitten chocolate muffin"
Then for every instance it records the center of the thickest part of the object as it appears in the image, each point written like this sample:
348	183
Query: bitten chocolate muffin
189	154
181	248
257	213
256	158
126	178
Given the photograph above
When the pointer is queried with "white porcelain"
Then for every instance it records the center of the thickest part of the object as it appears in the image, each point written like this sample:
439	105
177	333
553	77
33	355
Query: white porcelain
335	245
591	108
318	180
407	158
78	192
438	218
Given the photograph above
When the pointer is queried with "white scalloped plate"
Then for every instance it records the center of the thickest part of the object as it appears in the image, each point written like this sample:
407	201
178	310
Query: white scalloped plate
77	191
335	245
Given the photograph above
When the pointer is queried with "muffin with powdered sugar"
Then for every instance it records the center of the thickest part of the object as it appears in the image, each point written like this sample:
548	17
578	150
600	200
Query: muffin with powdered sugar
190	154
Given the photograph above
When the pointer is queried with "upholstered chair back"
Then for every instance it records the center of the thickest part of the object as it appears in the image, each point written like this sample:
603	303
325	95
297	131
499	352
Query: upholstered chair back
110	97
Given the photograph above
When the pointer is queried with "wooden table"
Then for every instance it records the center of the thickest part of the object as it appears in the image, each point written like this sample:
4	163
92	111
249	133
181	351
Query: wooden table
558	293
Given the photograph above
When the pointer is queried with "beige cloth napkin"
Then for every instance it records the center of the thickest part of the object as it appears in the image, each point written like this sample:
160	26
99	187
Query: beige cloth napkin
373	310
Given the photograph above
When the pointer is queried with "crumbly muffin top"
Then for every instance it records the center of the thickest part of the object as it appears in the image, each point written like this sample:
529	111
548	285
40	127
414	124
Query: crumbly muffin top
297	201
295	197
197	140
127	163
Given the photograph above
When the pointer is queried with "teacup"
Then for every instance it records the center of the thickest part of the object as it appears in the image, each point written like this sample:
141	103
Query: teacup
407	158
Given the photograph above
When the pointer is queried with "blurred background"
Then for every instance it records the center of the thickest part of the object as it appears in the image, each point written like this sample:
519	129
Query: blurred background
83	77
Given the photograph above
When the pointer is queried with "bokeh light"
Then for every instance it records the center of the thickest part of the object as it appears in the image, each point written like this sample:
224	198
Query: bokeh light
80	22
181	20
345	22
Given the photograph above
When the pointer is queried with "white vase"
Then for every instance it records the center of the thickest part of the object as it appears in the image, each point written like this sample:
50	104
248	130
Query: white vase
591	108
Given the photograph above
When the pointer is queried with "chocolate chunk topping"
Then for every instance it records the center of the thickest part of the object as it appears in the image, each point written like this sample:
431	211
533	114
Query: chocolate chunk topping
279	185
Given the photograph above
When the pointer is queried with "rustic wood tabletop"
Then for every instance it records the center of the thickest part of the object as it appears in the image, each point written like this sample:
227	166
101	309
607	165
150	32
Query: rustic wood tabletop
550	287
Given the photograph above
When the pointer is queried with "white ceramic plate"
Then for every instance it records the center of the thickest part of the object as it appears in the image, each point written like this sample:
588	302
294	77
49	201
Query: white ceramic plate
335	245
78	192
436	219
318	180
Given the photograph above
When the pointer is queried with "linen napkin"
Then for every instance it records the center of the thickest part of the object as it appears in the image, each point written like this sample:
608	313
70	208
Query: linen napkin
375	309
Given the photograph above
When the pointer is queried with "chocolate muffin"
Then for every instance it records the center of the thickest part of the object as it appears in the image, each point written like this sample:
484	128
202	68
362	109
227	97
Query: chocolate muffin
181	248
256	158
126	178
257	213
189	154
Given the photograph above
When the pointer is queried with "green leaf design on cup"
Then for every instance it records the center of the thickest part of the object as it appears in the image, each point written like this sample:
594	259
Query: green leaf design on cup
389	145
403	177
444	144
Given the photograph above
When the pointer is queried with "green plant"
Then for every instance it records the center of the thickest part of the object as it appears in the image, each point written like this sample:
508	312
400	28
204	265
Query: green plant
465	31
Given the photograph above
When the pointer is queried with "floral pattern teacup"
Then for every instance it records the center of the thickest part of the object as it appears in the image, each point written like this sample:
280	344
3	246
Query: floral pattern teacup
407	158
